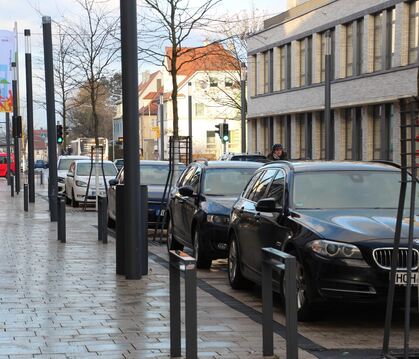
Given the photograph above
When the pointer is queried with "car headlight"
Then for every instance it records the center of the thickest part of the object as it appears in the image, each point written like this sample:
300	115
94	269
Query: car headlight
212	218
81	184
61	179
335	249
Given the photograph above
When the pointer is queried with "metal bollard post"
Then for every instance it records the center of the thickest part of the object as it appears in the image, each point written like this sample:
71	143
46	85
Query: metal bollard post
273	259
180	261
120	233
25	197
61	220
12	185
41	177
144	229
102	216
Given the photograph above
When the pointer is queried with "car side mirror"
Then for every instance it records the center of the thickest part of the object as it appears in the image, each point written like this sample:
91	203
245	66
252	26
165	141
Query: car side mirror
267	205
113	182
186	191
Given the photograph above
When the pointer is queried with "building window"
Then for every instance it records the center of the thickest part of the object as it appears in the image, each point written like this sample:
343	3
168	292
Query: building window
382	132
413	31
378	42
323	55
309	60
288	68
211	145
302	74
353	134
322	137
228	82
213	81
349	49
283	70
391	37
254	75
305	135
359	48
348	134
302	135
376	135
266	72
199	109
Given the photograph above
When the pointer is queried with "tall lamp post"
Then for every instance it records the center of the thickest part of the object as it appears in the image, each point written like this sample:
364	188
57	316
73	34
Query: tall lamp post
243	79
327	99
161	115
190	119
29	107
15	123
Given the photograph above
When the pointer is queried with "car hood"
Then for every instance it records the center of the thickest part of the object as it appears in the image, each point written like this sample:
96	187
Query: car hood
155	192
354	225
92	180
218	205
62	173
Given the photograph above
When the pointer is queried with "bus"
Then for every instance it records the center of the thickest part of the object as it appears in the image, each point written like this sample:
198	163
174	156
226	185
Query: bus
3	164
83	146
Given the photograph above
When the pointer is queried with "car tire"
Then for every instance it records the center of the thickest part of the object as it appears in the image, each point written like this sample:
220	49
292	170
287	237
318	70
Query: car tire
172	242
235	276
74	203
306	310
202	260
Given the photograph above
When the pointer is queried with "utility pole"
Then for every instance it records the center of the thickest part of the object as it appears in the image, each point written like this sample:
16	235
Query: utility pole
52	131
8	147
327	98
243	78
29	106
161	116
15	125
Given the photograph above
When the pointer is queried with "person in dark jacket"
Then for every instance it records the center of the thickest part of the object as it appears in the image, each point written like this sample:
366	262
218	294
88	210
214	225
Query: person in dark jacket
277	153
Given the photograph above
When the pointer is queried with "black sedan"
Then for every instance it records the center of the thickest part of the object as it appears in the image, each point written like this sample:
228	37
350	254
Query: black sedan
337	218
200	205
153	174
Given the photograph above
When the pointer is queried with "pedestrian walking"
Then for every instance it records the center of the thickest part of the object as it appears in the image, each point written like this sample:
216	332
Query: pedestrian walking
277	153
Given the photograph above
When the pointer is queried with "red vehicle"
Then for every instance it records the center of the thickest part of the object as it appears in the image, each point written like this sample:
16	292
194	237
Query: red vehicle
3	164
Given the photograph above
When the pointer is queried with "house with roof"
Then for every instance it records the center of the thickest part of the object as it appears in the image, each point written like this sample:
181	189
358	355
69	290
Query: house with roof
214	78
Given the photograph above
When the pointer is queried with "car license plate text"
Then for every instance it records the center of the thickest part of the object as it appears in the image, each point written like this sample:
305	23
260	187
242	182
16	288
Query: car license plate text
401	278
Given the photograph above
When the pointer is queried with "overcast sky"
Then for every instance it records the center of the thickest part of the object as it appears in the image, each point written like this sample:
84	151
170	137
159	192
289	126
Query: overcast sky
27	14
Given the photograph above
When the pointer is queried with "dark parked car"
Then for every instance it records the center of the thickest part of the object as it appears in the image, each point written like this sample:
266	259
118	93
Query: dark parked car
119	163
200	205
252	157
337	218
41	164
154	175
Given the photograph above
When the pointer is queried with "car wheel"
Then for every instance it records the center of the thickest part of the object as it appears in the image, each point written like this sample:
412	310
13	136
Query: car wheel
74	203
172	243
235	276
306	310
202	261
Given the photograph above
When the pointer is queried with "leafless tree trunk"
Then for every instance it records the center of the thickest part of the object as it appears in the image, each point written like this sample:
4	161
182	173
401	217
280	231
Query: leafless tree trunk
171	22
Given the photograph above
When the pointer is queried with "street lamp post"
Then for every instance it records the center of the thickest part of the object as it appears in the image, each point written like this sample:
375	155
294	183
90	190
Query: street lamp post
15	128
161	115
243	79
327	99
190	119
29	107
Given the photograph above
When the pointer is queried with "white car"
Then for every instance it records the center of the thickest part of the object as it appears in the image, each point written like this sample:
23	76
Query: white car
78	177
63	164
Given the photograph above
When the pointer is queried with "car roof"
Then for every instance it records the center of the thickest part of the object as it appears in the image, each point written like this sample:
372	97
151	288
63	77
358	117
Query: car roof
73	157
229	164
247	154
306	166
89	161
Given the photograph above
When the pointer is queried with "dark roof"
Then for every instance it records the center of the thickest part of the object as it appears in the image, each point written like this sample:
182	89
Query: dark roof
304	166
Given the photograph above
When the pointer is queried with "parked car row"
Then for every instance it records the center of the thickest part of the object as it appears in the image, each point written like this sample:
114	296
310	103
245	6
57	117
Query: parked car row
337	218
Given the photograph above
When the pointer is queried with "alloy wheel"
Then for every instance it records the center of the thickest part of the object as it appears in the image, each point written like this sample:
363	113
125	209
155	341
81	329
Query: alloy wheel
196	246
232	260
169	234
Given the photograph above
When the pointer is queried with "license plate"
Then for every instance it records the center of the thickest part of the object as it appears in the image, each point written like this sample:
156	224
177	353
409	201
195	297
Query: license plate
401	278
161	212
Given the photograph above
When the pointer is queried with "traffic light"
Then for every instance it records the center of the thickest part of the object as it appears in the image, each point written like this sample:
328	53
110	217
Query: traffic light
60	134
225	135
219	129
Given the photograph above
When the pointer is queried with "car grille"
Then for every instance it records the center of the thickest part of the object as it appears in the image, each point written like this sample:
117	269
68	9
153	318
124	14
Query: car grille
382	257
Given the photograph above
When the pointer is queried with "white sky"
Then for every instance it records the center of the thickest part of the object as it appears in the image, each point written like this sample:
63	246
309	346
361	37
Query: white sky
28	13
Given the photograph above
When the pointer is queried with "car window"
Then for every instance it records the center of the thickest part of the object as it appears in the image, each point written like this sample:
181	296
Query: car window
251	183
84	169
120	177
261	185
3	160
277	188
71	169
64	163
186	176
194	182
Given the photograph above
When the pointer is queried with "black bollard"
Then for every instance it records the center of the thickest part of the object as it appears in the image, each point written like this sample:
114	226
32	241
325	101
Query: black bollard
102	216
61	219
144	229
25	197
120	232
41	177
12	185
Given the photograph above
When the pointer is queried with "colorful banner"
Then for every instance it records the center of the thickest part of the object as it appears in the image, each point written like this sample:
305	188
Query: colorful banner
7	55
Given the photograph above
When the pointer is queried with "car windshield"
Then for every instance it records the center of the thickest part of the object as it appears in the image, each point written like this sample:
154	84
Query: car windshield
348	189
156	174
119	162
83	169
226	181
64	163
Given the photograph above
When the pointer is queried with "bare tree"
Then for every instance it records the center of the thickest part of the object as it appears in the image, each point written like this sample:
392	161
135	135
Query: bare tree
95	48
169	24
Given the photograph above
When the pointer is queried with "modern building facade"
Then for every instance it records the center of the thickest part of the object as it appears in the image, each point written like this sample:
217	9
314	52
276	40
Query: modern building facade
373	49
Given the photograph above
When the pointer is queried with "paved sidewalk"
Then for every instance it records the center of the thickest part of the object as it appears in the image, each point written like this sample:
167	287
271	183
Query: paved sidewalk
65	301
